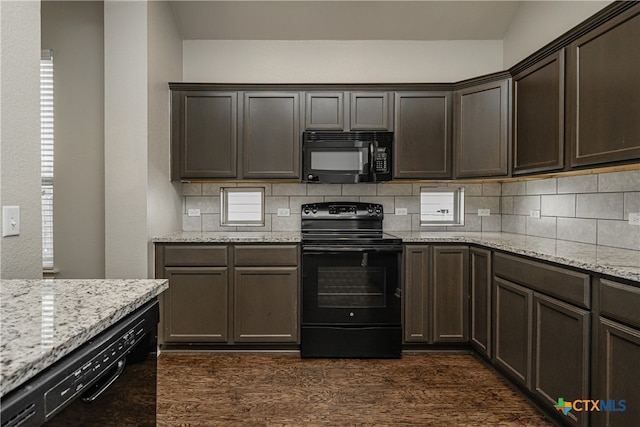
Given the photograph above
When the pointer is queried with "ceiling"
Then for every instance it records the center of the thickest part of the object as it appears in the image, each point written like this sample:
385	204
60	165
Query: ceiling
343	20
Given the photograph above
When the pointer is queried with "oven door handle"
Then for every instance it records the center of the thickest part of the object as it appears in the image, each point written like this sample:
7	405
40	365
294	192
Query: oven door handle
323	250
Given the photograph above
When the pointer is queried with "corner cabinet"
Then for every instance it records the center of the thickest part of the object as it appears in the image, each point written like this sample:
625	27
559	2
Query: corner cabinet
422	131
436	294
228	294
204	134
541	318
480	288
271	135
538	116
604	92
482	140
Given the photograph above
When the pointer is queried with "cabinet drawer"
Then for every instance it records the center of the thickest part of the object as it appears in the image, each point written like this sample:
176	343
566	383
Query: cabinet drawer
195	255
567	285
620	302
266	255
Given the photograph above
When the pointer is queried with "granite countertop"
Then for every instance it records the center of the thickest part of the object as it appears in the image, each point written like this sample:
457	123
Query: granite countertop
231	237
620	263
42	321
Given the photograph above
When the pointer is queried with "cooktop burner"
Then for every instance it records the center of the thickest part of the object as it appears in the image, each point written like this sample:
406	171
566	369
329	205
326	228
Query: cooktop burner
344	222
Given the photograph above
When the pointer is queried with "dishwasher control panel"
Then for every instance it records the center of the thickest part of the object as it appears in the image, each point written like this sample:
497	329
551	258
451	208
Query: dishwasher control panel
79	381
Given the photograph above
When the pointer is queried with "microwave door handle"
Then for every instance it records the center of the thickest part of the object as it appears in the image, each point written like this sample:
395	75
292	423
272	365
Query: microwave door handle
373	149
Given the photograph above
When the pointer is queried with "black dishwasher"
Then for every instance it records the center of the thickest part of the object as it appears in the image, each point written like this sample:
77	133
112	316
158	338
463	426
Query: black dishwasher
109	381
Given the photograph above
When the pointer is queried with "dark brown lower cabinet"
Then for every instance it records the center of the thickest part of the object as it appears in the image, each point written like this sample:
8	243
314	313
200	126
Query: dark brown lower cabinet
561	351
417	302
436	294
480	288
450	294
616	379
513	329
196	305
542	342
229	294
265	304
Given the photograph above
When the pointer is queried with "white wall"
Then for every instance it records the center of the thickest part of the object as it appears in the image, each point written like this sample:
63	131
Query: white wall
164	201
384	61
126	136
21	256
75	32
537	23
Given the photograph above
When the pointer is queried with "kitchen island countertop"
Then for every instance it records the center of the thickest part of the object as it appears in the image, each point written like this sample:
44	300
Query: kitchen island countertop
615	262
42	321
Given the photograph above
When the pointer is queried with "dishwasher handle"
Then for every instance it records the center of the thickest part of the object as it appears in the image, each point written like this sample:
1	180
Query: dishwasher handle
119	370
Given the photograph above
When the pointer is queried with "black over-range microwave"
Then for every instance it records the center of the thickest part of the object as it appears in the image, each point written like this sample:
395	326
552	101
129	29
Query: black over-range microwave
347	157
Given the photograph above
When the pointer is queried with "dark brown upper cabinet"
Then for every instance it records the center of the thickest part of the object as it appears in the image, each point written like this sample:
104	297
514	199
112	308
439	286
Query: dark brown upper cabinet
204	139
538	116
371	111
344	111
482	115
325	111
271	135
422	131
603	92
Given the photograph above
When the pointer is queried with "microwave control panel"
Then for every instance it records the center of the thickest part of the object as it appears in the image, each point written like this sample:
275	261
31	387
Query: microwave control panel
381	164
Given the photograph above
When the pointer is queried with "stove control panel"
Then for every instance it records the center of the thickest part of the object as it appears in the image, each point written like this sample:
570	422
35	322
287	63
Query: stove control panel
342	210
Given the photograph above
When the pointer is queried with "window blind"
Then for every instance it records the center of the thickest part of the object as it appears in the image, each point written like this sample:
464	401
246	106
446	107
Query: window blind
46	144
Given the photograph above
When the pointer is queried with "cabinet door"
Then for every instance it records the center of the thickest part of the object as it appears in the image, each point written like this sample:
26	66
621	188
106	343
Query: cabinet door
482	129
604	92
271	135
538	116
422	146
324	111
417	267
196	304
266	304
618	374
480	261
204	138
513	306
450	294
370	111
561	354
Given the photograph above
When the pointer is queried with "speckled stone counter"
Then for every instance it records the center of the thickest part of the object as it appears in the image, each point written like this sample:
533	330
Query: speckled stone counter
234	237
44	320
621	263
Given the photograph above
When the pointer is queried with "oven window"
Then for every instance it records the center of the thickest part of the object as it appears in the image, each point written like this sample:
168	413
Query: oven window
346	287
351	160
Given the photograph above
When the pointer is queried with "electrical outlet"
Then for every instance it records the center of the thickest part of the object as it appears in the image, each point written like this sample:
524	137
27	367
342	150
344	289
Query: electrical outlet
401	211
634	218
534	214
193	212
10	221
484	212
284	212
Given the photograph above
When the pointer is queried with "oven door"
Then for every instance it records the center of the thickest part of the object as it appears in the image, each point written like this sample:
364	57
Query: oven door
337	161
351	285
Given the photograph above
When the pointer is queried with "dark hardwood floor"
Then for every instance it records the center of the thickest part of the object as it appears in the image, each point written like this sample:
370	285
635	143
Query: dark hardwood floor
221	389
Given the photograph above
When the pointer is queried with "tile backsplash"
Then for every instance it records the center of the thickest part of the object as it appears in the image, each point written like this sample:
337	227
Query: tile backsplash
590	208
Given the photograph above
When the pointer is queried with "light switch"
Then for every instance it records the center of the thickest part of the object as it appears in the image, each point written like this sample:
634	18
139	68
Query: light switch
484	212
10	221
